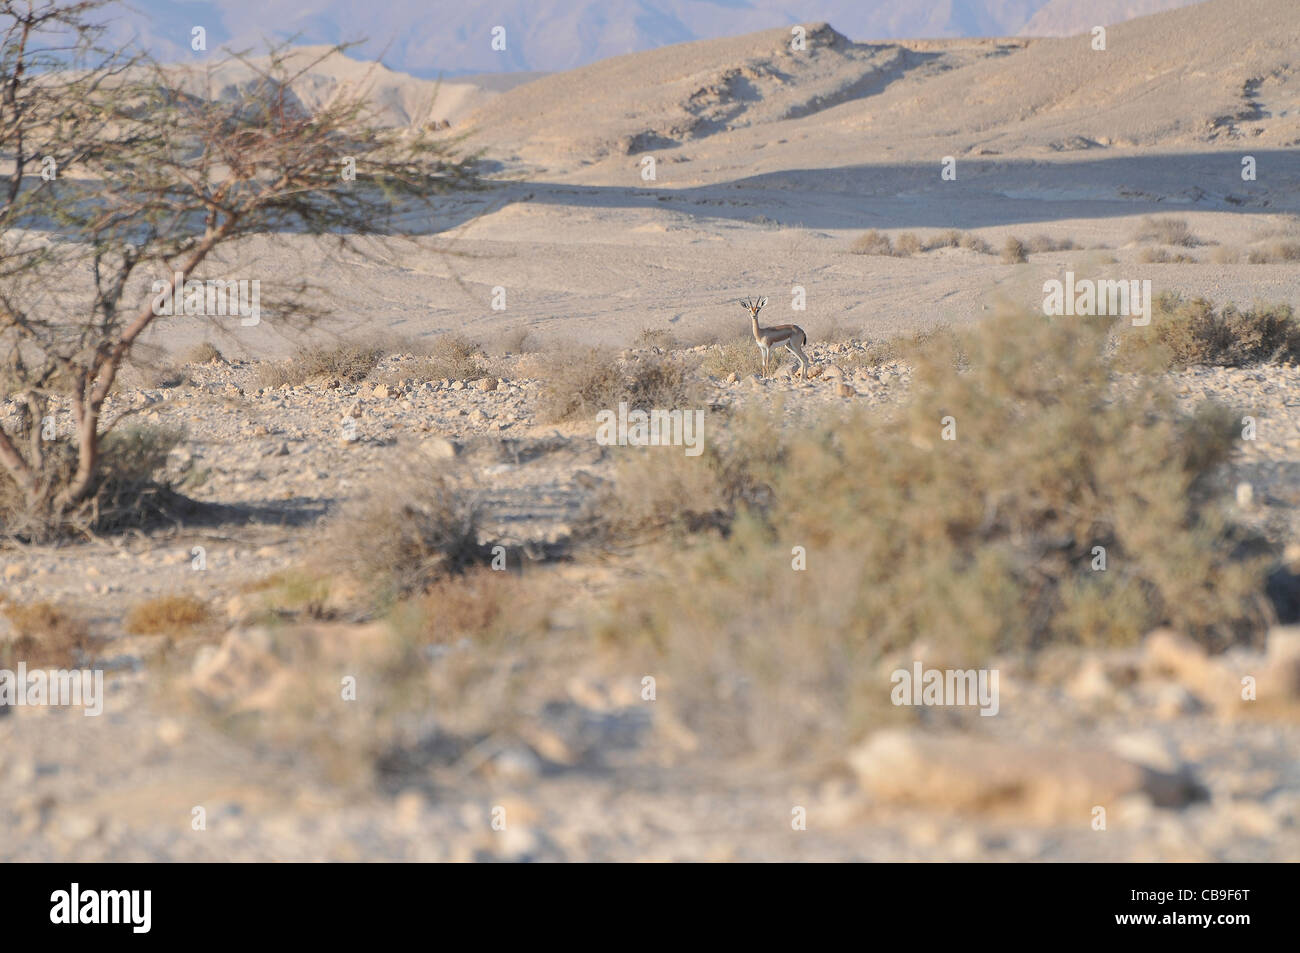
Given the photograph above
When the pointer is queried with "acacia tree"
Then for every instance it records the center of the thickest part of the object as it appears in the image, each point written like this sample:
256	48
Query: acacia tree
153	174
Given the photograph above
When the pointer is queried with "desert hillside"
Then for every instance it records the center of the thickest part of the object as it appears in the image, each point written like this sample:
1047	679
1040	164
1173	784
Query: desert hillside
1069	17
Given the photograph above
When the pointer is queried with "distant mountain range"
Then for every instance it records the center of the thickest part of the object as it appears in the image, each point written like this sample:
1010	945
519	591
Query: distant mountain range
449	37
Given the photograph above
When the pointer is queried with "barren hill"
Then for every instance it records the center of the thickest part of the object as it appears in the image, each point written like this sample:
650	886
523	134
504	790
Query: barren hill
1223	70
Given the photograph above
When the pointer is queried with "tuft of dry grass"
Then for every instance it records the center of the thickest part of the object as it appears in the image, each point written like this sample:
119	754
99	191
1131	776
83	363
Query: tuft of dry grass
872	243
1162	256
348	361
204	353
1045	243
1013	252
976	244
908	245
449	357
172	615
579	385
1274	253
1166	230
660	339
515	341
1193	331
44	636
420	524
739	356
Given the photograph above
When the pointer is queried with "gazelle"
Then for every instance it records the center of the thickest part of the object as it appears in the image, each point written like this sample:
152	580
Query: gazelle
789	335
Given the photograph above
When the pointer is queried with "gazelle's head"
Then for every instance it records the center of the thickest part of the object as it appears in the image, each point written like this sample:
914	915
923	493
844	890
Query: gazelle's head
753	307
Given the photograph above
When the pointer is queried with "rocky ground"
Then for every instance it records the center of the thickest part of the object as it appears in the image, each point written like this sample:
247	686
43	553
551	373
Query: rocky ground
1157	737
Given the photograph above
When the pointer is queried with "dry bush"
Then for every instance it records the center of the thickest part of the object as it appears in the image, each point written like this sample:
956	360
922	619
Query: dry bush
1166	231
130	491
976	244
1161	256
872	243
951	238
450	357
580	385
418	525
1286	226
658	338
971	546
1045	243
1226	255
739	356
482	605
1013	252
169	615
204	353
908	245
514	341
1192	331
1275	253
349	361
299	593
660	492
44	636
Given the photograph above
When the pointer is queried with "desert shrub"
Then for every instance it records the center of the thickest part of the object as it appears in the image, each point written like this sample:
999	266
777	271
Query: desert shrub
908	245
976	244
448	357
204	353
739	356
1013	252
348	361
667	494
301	593
1226	255
951	238
1045	243
130	488
419	525
515	341
658	338
1193	331
168	615
1162	256
1166	230
1274	253
482	605
872	243
980	544
580	385
44	636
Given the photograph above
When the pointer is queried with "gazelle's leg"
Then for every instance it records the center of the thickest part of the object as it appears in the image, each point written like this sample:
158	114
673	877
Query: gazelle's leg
764	352
797	351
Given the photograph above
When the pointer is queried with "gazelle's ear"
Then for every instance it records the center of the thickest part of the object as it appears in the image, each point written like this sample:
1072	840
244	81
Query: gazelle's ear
743	304
762	302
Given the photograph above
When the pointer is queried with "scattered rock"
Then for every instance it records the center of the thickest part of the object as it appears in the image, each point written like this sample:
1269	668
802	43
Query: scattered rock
978	775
